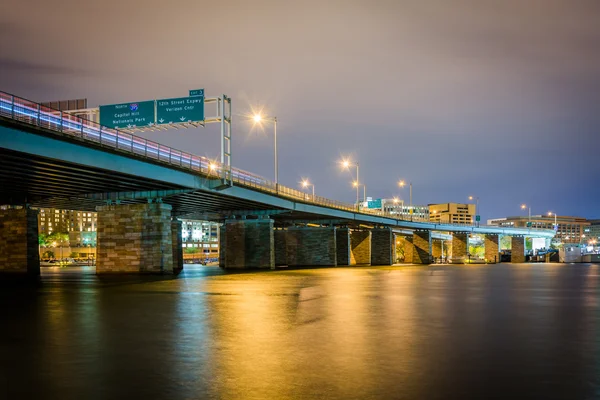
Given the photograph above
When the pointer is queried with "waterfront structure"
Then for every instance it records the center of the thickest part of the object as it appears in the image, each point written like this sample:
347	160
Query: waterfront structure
398	207
452	213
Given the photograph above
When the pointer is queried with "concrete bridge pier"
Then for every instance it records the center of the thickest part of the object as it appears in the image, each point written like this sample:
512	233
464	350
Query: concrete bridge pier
409	249
248	243
19	242
279	238
421	247
177	242
311	246
436	248
382	246
460	242
360	247
517	253
492	255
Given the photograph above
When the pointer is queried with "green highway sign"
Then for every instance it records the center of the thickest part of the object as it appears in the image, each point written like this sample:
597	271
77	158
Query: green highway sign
181	109
196	92
374	204
128	115
477	218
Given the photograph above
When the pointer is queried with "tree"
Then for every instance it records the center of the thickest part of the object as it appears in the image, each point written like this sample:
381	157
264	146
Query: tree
43	240
48	254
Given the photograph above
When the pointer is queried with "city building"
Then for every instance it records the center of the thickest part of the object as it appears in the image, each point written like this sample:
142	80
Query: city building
200	235
568	229
452	213
398	207
80	225
592	232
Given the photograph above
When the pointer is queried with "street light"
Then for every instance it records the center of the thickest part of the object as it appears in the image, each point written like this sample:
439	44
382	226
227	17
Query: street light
364	189
258	119
476	207
524	206
347	164
401	184
550	214
305	184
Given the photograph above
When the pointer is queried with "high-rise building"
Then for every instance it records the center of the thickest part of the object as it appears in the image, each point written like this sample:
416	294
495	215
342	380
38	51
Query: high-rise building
203	235
80	225
452	213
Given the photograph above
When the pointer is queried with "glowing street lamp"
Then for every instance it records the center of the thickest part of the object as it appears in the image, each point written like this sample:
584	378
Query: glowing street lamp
550	214
476	207
305	184
346	164
357	185
258	119
401	184
524	206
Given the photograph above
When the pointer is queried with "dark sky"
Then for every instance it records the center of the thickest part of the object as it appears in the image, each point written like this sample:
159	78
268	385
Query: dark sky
498	99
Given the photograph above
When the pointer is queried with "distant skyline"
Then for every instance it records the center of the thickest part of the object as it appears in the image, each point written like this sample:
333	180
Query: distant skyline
497	99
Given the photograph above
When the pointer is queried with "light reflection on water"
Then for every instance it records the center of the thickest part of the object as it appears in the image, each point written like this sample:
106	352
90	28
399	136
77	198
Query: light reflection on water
502	331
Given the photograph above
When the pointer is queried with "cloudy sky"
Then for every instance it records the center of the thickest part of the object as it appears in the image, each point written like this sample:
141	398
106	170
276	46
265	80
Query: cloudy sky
496	99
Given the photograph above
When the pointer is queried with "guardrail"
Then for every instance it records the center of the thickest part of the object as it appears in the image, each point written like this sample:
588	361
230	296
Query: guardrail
35	114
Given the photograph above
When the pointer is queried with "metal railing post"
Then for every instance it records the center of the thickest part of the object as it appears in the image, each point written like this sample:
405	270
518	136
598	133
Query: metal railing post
60	128
39	111
12	107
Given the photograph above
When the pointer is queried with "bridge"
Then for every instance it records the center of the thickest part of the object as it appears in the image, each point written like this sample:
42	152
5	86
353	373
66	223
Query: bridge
140	188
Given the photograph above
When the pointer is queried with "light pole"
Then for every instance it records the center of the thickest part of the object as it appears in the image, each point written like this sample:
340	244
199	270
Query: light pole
550	214
258	120
524	206
410	210
476	208
347	164
364	189
305	184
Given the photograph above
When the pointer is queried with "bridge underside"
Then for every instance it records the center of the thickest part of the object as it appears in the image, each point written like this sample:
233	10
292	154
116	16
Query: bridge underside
52	183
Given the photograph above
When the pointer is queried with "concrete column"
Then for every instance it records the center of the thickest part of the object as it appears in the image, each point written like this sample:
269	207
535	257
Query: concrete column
436	248
395	239
177	242
250	243
360	247
382	245
422	247
491	248
134	238
459	247
517	252
342	242
19	248
409	249
222	243
280	247
307	246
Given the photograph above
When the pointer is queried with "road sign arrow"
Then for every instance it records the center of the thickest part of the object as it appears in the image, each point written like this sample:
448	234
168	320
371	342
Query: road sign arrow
182	119
161	120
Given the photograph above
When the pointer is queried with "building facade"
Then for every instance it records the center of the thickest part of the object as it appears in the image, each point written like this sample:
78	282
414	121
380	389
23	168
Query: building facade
200	237
81	226
568	229
452	213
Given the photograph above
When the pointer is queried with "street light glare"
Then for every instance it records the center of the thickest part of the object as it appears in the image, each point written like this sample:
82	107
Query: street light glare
305	183
523	206
401	183
257	117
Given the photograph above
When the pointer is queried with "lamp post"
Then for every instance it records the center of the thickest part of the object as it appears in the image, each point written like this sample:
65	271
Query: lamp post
364	189
347	164
524	206
258	120
401	184
305	184
476	207
550	214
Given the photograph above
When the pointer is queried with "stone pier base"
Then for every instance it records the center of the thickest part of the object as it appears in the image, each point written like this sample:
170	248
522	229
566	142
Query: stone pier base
308	246
342	242
382	245
421	247
491	248
249	243
19	246
517	252
459	247
135	238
